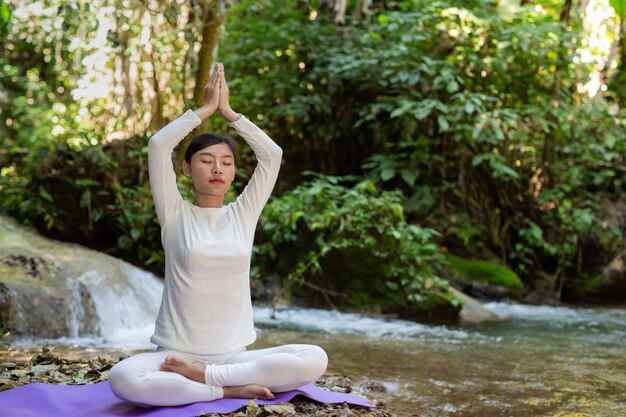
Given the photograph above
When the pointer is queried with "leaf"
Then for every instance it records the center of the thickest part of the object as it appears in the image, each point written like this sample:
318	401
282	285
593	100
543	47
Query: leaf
610	140
85	182
85	199
296	215
278	409
387	173
443	123
452	87
135	233
409	177
45	195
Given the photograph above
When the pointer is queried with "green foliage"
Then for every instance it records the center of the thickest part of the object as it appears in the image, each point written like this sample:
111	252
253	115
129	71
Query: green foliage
323	219
620	8
484	271
99	190
471	111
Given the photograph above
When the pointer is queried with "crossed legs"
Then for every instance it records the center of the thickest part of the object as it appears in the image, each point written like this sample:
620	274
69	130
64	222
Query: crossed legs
173	378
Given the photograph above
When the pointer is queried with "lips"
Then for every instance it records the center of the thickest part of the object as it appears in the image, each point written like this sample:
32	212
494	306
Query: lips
217	180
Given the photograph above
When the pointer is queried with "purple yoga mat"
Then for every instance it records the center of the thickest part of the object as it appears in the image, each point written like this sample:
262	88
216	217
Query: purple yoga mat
97	400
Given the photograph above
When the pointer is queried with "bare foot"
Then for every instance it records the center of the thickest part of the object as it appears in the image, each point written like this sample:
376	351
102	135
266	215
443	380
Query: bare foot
195	372
252	391
191	370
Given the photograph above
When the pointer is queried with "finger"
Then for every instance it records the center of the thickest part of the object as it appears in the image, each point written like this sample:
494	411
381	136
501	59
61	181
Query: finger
214	76
214	73
213	83
223	76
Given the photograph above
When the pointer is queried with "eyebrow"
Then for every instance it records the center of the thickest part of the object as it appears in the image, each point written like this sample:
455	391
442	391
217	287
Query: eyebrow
210	154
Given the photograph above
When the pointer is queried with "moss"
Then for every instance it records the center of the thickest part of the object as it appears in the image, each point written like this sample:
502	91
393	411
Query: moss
485	271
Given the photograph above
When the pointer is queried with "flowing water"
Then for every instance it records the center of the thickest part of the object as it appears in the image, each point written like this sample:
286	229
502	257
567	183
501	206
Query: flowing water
541	361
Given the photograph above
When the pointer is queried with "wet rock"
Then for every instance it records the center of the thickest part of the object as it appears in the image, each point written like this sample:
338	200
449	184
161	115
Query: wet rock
613	279
7	309
371	386
35	267
483	279
473	311
40	291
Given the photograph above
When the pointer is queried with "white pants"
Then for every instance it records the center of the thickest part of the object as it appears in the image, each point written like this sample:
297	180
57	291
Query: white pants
138	379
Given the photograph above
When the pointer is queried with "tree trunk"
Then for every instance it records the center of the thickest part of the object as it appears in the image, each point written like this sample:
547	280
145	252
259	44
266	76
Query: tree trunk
214	16
621	72
566	12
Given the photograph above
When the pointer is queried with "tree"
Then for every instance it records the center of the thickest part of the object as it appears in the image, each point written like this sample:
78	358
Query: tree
213	15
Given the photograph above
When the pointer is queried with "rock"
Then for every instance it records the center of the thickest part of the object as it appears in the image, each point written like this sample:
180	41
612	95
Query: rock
40	294
613	279
483	279
7	309
371	386
473	311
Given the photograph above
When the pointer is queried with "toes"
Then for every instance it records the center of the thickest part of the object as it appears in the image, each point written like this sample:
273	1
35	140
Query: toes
174	361
169	364
266	394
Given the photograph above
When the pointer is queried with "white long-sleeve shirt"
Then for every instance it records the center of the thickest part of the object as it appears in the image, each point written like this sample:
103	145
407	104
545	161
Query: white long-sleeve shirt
206	306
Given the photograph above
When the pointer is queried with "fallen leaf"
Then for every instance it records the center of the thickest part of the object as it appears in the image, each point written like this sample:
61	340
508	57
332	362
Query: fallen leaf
284	408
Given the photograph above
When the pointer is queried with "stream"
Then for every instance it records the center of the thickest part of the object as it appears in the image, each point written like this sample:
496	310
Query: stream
541	361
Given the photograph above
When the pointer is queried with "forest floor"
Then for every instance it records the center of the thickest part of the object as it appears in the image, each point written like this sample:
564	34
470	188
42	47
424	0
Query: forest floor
52	368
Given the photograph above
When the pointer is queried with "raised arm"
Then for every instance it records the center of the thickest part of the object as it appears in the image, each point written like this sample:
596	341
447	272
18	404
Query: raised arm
160	147
162	175
267	152
269	158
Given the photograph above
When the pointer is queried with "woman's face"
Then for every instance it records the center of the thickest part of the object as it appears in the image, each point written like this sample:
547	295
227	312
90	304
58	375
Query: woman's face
212	169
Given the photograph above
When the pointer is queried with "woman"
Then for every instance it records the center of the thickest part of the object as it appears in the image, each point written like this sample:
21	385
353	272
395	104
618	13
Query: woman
205	319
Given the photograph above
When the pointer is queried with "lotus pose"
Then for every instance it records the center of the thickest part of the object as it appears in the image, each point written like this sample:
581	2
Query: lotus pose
205	320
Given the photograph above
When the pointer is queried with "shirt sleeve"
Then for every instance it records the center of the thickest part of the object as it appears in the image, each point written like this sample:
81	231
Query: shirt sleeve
269	158
161	170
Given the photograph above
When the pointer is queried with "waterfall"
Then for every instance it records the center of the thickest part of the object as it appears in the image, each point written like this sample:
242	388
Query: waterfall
126	308
112	306
76	308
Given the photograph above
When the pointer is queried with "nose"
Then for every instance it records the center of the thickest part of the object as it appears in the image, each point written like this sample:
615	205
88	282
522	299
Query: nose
217	168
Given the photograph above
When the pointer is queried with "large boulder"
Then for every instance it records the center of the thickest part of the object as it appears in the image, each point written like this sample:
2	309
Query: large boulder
53	289
483	279
473	311
38	296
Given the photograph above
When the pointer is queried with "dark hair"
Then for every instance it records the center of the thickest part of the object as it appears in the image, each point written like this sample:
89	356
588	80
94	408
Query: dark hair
203	140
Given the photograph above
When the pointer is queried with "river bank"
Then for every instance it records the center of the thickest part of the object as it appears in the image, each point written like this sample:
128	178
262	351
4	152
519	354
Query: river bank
79	366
